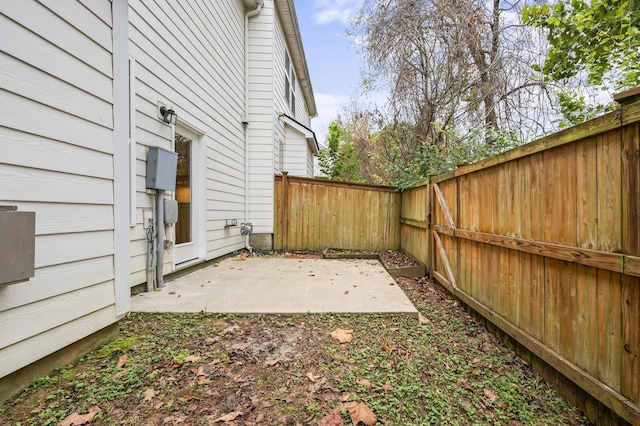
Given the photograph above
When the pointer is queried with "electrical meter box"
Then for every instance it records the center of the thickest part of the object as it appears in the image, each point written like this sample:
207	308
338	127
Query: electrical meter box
17	245
170	211
162	165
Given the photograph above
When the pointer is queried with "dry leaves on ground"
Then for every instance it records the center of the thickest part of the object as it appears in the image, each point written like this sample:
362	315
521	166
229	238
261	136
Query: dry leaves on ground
149	394
75	419
364	383
490	394
342	336
229	417
359	412
122	360
331	418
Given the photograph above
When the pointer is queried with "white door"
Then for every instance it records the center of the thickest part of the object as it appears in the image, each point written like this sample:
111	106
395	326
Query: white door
189	184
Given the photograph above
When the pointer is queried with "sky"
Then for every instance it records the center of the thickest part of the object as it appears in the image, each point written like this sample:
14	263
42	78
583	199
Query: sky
333	62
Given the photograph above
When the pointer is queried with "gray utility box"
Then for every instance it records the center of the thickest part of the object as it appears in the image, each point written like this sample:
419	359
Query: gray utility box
17	245
162	165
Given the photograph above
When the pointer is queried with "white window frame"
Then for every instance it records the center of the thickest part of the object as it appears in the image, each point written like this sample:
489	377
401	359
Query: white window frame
289	84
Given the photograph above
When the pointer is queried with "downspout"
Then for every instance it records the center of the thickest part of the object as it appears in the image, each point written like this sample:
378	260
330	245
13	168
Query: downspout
245	117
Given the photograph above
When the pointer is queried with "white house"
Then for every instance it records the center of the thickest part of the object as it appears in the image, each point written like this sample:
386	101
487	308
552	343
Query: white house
84	92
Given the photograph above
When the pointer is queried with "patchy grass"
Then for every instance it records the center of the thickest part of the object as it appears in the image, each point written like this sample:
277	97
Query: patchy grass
271	370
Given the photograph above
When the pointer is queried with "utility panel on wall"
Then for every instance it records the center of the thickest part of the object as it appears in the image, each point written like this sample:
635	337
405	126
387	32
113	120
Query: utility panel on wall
17	245
162	166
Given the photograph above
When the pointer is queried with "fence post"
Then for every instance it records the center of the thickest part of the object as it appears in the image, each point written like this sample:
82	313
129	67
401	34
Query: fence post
285	210
430	240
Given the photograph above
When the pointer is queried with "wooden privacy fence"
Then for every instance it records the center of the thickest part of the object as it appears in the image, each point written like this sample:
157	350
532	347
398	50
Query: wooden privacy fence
313	214
543	241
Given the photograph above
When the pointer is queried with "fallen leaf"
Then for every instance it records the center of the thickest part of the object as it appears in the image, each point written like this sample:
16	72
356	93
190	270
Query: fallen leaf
312	378
389	348
359	412
331	418
392	283
489	394
423	320
149	394
351	361
122	360
172	292
386	387
121	373
342	336
190	398
241	346
192	358
230	329
503	406
229	417
240	377
364	383
75	419
273	362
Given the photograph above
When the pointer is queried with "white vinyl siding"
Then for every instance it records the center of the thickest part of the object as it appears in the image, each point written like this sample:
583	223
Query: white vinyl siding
296	155
56	137
190	55
262	158
310	163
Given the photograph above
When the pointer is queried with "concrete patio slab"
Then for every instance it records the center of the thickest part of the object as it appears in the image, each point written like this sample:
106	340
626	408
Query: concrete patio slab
260	285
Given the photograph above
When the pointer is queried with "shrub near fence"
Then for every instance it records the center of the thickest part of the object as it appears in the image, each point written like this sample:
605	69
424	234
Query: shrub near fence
542	241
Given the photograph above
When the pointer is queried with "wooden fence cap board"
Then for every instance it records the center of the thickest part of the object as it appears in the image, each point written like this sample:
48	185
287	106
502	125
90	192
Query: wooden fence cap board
628	96
327	182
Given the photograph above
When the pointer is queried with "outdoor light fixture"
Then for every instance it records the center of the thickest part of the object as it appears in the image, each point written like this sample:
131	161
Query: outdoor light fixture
169	115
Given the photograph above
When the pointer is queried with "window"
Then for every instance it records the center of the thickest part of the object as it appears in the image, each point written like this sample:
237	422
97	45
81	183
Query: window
289	84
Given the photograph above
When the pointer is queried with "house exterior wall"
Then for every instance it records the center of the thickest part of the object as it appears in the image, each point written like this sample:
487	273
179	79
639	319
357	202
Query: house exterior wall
310	162
261	119
267	104
296	153
93	74
61	167
190	55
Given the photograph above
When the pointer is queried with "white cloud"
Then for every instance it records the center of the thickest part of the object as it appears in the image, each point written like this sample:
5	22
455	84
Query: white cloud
328	108
341	11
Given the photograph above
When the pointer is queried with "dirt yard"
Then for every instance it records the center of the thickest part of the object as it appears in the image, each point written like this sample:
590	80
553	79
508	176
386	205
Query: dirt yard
198	369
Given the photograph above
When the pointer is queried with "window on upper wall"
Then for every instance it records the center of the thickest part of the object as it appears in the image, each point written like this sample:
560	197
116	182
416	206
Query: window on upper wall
289	84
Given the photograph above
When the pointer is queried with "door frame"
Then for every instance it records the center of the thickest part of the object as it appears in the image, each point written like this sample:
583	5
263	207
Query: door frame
198	193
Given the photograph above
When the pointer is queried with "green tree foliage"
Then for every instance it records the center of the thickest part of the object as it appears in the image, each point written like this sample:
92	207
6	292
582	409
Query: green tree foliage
337	161
427	159
598	40
599	37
